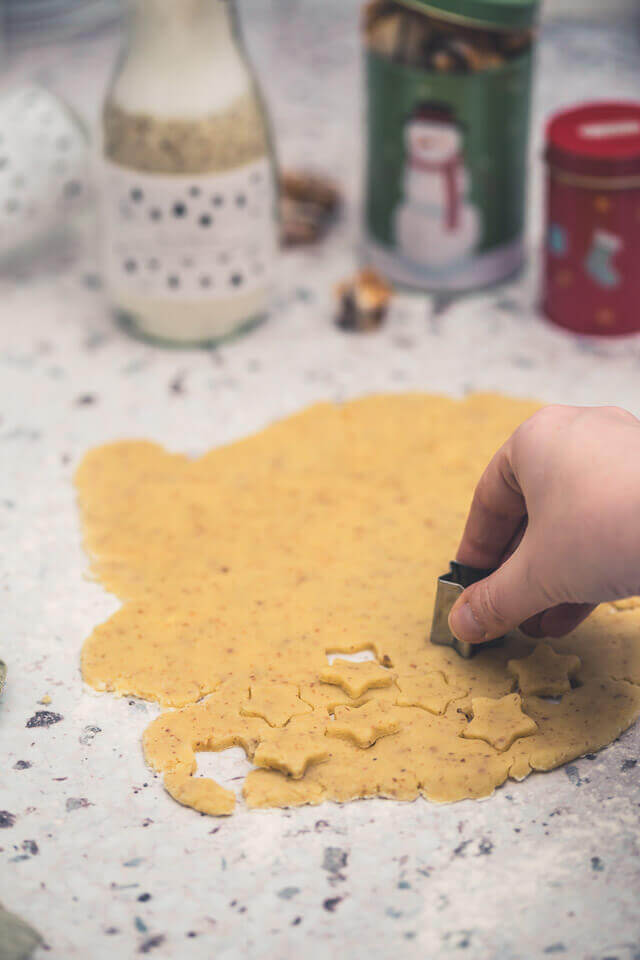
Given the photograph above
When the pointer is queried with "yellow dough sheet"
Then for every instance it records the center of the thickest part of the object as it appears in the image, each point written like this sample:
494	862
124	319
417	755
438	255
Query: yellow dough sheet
241	571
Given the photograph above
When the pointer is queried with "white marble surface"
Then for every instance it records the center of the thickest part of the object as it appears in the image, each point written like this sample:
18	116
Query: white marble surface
94	853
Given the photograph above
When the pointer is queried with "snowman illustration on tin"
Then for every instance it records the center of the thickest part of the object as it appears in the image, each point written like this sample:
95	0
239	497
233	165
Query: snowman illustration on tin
435	225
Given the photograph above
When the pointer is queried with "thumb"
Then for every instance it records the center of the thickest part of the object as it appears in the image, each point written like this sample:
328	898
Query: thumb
500	602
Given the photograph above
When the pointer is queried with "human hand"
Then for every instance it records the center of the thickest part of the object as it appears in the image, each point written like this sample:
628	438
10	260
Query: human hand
557	511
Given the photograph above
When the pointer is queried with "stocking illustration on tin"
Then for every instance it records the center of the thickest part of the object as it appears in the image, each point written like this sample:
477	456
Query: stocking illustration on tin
557	240
435	224
599	260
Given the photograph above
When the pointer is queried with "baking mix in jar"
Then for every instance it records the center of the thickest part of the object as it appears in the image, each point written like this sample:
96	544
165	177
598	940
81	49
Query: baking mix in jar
190	230
449	86
592	251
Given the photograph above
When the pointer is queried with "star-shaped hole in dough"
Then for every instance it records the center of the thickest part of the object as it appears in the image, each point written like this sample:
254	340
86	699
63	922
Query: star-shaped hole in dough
544	673
356	678
292	749
274	702
499	722
364	725
429	691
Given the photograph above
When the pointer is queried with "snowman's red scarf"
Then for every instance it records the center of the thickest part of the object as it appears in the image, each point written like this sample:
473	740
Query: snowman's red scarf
449	169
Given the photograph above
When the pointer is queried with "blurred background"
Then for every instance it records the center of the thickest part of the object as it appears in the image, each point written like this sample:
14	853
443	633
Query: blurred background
308	57
29	21
307	54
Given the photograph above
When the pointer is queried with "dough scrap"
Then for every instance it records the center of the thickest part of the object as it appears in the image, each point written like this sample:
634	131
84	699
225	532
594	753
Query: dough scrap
294	748
544	673
364	725
325	532
276	703
356	678
499	722
202	793
430	691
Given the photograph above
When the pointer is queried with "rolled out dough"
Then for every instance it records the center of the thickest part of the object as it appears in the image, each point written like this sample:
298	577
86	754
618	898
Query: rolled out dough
325	533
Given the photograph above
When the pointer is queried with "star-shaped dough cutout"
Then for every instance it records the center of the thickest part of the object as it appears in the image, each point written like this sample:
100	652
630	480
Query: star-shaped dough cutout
292	749
430	691
356	678
274	702
499	722
544	673
364	725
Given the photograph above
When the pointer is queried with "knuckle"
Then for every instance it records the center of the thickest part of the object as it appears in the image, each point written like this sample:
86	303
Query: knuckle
553	415
552	411
487	604
531	428
619	413
546	423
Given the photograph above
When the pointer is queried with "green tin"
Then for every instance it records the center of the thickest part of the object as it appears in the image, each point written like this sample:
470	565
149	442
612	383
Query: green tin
446	171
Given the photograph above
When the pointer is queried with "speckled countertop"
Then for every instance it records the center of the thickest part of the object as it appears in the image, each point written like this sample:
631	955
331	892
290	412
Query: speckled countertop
92	851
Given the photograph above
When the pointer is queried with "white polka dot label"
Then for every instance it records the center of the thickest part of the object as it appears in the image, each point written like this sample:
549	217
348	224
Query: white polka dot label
205	243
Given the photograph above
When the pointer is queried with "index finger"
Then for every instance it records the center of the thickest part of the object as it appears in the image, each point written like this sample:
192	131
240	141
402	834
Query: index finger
496	516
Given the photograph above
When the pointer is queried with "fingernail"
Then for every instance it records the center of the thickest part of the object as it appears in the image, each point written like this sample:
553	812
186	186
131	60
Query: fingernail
464	625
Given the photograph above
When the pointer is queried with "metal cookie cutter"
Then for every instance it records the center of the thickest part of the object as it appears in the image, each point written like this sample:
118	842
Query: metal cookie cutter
450	586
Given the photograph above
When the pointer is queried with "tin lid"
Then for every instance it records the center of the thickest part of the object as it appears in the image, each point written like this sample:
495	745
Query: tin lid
499	14
596	139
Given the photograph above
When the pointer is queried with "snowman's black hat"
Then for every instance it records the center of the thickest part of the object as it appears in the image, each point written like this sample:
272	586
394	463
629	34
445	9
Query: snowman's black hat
435	112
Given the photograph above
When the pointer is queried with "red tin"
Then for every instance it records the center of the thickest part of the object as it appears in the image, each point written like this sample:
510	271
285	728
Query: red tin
592	249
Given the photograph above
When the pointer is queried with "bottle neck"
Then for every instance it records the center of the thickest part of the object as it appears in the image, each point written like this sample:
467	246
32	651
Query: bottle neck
180	28
182	59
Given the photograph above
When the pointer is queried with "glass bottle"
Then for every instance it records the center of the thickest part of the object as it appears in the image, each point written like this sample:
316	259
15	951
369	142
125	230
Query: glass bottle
190	229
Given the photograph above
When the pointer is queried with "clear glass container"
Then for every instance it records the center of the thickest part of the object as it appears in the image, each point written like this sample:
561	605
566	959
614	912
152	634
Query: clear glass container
189	213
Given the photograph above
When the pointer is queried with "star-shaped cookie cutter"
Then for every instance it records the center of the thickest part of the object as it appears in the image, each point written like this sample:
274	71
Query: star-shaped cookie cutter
450	586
